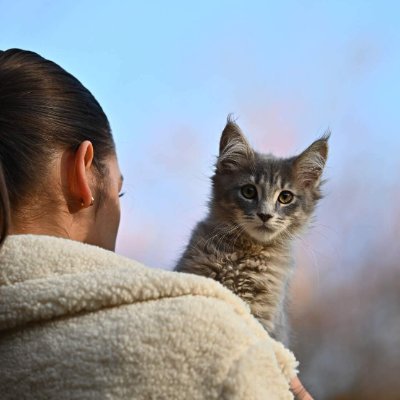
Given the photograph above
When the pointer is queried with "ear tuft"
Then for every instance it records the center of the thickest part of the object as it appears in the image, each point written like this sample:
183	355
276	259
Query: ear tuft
234	150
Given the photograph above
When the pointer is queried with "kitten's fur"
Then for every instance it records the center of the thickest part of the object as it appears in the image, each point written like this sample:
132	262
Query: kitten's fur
234	246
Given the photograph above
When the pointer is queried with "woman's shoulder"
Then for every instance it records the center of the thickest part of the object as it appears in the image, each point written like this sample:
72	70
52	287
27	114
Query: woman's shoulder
134	330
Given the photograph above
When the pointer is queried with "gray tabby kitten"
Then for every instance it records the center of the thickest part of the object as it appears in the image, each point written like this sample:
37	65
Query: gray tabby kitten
259	204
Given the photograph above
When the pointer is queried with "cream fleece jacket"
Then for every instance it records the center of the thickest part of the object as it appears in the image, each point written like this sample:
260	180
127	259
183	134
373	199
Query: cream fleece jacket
80	322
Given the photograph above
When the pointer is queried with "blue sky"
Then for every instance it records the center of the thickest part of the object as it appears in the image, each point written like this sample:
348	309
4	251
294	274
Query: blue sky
168	73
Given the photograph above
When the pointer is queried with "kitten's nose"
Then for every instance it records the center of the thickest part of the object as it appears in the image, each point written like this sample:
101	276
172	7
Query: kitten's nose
264	217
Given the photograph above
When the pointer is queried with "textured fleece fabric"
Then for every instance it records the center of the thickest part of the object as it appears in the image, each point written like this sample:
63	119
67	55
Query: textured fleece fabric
80	322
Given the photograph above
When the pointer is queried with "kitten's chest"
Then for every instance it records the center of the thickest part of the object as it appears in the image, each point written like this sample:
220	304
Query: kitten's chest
253	275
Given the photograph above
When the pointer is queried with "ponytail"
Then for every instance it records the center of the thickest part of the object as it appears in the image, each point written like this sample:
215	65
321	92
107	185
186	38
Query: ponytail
4	207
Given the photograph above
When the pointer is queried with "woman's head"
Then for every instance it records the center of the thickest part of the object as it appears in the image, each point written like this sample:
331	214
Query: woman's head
56	153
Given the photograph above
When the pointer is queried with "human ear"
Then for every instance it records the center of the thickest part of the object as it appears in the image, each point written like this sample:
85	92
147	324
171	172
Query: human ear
79	172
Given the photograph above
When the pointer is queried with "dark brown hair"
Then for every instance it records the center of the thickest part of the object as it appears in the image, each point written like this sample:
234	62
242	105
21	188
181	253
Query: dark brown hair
43	109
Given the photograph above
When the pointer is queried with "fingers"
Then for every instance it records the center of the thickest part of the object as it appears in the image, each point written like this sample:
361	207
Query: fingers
298	390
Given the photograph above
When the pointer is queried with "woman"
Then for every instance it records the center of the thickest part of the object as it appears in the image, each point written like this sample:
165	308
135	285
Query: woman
78	321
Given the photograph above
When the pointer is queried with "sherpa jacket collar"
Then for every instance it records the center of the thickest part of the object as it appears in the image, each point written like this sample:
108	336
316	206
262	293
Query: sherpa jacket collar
45	277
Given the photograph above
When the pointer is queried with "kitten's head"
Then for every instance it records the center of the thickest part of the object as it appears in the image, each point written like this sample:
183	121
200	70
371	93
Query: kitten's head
265	196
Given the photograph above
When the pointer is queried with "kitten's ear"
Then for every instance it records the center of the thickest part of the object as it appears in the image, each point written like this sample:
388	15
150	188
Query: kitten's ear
311	162
234	150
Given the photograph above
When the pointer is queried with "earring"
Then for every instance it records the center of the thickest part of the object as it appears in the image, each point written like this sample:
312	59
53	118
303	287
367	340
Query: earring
91	202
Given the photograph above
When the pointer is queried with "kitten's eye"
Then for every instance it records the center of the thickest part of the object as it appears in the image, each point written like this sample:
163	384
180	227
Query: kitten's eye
249	191
285	197
121	194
